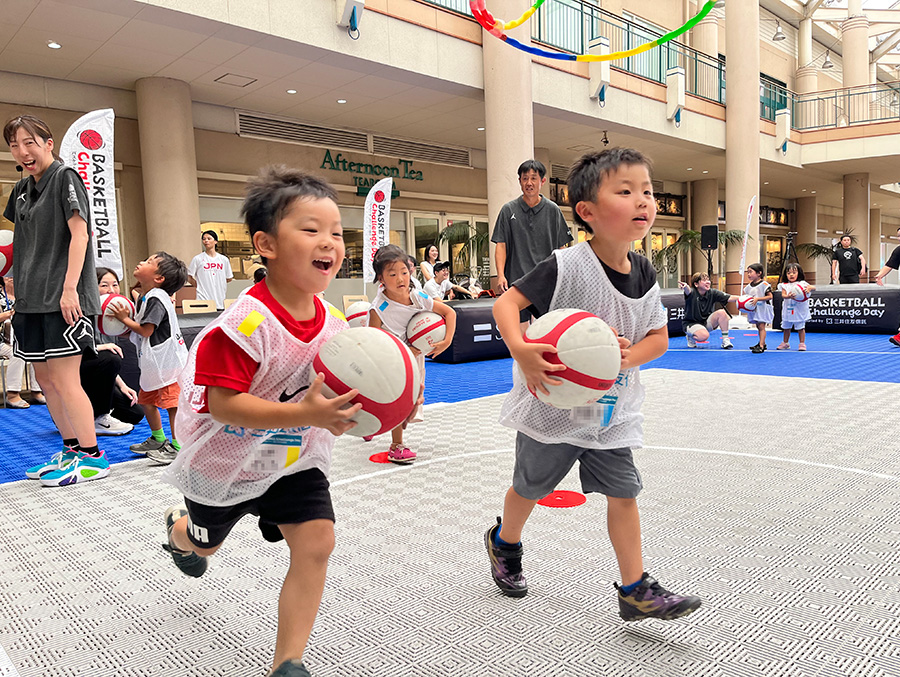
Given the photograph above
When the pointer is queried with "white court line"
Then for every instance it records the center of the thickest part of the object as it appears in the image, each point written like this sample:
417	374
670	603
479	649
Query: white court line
7	669
796	461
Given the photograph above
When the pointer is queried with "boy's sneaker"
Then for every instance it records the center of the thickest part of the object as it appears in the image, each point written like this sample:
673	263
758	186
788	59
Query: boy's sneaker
110	425
59	460
189	563
895	339
401	454
691	341
164	455
650	600
506	565
291	668
83	469
726	344
143	447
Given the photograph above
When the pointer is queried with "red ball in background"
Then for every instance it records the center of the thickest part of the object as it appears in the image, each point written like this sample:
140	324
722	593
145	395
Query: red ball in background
6	251
90	139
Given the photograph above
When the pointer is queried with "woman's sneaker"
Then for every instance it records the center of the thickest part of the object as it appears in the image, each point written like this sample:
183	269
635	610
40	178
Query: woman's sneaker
189	563
107	424
84	468
143	447
401	454
506	565
650	600
59	460
291	668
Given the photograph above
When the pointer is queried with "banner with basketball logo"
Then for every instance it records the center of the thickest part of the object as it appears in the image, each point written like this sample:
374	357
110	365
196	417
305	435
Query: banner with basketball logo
88	148
377	224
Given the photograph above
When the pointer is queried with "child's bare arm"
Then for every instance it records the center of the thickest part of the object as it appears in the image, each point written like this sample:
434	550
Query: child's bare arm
144	330
653	345
374	320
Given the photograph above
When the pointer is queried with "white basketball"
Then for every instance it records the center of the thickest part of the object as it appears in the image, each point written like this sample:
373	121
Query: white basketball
6	251
801	291
746	302
424	330
358	314
377	364
108	324
586	346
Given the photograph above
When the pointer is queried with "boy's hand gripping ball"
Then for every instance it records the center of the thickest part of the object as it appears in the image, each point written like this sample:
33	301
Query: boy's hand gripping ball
108	324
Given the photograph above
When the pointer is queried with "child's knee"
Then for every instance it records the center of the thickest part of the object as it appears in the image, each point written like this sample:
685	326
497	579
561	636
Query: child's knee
312	541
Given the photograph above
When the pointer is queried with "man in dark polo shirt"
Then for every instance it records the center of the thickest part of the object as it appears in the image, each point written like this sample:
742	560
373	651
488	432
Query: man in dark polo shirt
847	263
528	229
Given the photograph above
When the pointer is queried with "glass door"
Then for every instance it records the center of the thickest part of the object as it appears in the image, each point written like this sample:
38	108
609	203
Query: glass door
668	267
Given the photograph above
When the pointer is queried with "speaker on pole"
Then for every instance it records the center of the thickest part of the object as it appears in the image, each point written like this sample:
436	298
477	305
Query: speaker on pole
709	237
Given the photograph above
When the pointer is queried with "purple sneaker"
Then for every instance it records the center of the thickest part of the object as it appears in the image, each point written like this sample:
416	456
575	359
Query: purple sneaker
650	600
506	565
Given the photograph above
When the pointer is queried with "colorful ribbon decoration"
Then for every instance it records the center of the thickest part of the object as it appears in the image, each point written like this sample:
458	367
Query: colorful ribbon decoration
498	28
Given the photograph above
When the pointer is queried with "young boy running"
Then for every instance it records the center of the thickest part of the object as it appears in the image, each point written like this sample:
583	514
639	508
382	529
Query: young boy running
611	197
256	436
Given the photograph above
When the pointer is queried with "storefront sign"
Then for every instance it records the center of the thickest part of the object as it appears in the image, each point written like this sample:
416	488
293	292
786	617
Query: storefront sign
365	170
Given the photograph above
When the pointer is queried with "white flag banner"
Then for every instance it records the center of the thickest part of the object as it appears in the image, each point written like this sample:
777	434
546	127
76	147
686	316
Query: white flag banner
746	235
88	148
377	224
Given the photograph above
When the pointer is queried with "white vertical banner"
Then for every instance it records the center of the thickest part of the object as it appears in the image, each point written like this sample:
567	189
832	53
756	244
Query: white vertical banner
746	235
88	148
377	224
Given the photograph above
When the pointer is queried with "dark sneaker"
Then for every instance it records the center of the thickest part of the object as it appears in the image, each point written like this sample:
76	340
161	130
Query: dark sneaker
164	455
189	563
650	600
506	565
291	668
143	447
757	349
895	339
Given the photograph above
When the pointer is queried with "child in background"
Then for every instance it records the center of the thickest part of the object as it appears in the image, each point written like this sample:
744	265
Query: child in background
612	197
794	313
394	306
162	353
763	312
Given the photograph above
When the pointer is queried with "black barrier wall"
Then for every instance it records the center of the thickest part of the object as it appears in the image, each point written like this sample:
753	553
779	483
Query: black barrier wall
476	336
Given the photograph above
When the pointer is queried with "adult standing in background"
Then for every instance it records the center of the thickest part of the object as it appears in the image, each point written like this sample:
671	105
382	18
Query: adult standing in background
528	229
210	271
847	263
893	263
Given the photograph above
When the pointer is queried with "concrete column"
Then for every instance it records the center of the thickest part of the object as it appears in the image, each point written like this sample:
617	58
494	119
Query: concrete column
873	252
509	122
741	130
855	43
169	166
807	74
856	208
807	222
705	39
542	155
704	212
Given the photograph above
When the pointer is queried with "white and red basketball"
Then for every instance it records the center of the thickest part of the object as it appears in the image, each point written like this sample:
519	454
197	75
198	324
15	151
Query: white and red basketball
589	350
424	330
377	364
358	314
801	291
107	323
746	303
6	251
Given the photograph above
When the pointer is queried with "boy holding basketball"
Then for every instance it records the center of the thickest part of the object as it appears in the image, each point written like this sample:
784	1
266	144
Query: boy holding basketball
256	434
611	197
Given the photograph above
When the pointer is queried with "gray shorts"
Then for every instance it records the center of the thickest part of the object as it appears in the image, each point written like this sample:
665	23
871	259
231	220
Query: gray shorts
541	467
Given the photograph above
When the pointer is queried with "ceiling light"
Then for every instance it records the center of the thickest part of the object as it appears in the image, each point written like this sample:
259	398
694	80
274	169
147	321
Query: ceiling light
813	192
827	63
481	129
803	190
53	44
765	183
342	100
779	34
690	169
706	171
291	91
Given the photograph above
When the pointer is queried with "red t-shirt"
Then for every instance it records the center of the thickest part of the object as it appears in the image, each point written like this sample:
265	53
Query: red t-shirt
220	362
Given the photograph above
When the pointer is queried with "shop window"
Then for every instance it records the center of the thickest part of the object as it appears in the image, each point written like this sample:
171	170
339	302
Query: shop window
352	219
670	205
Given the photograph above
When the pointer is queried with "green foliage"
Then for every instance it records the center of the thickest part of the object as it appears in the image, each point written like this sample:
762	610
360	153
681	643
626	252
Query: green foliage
463	232
689	240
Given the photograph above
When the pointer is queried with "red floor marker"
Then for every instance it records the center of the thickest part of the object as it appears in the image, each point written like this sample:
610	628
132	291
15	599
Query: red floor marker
563	499
379	458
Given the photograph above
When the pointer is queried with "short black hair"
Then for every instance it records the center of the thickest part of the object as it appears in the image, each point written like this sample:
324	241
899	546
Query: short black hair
756	267
793	266
211	233
848	236
441	265
173	271
259	274
591	168
103	272
273	191
536	165
386	255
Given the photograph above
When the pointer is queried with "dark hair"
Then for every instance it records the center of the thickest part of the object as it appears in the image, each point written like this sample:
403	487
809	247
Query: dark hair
259	274
696	277
172	270
428	249
34	126
411	261
591	168
757	267
529	165
386	255
793	266
273	191
441	265
847	235
211	233
103	272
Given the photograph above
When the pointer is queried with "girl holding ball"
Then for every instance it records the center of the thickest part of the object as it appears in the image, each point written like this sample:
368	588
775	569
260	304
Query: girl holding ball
795	310
763	312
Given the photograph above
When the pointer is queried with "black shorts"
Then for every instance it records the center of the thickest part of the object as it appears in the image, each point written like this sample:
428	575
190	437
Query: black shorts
293	499
848	279
44	336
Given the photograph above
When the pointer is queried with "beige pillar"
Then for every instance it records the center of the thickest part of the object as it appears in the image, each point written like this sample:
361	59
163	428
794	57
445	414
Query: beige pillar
873	251
856	207
705	39
704	212
855	44
741	131
169	166
807	74
542	155
509	122
807	225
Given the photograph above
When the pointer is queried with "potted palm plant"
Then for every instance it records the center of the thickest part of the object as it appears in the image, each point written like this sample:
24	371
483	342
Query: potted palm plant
689	241
471	242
